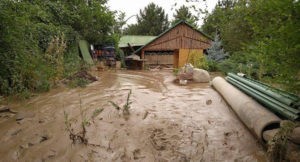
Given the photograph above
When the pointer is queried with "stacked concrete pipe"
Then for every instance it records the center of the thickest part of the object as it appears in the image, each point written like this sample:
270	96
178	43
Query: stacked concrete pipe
257	118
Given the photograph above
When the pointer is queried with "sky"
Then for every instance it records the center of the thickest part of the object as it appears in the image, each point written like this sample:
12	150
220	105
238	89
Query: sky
132	7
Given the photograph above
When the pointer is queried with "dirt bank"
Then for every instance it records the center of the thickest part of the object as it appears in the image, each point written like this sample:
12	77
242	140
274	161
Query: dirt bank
167	122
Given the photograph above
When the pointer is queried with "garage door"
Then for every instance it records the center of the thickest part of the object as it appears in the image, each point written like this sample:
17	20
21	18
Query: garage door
159	58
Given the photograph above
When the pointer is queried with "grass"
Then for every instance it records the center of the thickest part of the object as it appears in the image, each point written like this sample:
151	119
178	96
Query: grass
80	137
96	112
277	147
125	108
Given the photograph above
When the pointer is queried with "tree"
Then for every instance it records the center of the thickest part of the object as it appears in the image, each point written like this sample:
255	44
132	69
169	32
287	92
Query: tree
119	22
38	38
262	36
183	13
150	21
216	51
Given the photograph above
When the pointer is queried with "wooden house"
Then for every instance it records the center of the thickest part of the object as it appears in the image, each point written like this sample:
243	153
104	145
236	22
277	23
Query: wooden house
172	47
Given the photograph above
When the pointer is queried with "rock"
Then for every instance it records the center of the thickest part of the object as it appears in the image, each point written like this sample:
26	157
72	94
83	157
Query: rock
188	68
22	115
4	109
182	82
269	134
186	72
201	76
185	76
15	132
295	135
208	102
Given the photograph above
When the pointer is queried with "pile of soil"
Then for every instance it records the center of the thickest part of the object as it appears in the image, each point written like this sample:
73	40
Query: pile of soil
83	74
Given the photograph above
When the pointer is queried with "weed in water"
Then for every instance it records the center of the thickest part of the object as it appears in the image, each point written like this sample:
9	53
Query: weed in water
79	137
278	145
125	108
116	106
96	112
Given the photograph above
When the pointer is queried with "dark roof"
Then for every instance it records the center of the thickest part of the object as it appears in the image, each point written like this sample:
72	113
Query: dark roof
180	22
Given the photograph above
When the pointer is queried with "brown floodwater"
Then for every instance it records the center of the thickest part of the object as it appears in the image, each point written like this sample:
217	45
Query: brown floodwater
167	122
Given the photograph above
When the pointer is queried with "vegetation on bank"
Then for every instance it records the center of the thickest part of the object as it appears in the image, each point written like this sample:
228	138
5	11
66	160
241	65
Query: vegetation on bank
38	41
261	37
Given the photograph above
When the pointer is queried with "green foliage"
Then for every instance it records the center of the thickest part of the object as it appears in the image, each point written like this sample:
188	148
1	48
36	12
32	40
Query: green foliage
96	112
176	71
183	13
262	38
120	56
216	52
38	40
197	59
150	21
125	108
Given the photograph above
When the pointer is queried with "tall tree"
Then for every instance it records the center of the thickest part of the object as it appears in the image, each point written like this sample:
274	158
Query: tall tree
150	21
228	19
183	13
261	34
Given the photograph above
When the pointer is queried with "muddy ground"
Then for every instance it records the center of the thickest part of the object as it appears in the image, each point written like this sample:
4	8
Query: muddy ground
167	122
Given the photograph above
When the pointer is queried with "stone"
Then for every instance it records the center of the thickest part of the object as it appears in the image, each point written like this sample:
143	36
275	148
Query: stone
269	134
22	115
182	82
4	109
295	135
200	75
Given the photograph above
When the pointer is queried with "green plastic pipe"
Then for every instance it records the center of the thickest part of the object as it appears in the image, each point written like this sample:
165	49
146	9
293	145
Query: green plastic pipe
295	111
265	101
266	91
291	109
291	96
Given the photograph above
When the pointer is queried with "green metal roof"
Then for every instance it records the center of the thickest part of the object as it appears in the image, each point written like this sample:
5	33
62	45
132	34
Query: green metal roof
135	40
180	22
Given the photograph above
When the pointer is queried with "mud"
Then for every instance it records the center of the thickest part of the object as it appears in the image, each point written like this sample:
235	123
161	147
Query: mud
167	122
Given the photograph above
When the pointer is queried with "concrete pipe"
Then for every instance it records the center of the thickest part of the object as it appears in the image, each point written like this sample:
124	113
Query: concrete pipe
257	118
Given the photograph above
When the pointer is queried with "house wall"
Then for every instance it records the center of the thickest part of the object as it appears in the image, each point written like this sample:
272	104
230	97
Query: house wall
182	36
184	54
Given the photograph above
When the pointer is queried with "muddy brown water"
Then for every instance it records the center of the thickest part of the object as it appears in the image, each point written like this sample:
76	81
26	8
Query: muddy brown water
167	122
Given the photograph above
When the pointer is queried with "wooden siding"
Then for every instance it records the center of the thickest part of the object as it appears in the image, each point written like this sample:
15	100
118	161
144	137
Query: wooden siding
158	58
184	54
182	36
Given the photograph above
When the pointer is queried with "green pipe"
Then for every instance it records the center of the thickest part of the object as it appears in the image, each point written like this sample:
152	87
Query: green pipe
295	111
291	96
266	91
260	97
264	101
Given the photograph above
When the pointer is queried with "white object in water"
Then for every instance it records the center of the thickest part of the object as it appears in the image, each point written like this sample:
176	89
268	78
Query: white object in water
183	82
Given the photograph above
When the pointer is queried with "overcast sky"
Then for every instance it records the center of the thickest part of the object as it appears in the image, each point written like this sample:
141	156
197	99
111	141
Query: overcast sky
132	7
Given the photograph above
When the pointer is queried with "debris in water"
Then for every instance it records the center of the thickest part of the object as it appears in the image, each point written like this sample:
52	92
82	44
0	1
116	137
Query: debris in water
208	102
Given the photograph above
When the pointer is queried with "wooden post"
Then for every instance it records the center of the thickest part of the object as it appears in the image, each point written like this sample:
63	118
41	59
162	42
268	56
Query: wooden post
143	58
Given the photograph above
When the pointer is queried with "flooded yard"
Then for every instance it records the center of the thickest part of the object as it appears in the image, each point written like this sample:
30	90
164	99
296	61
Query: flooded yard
167	122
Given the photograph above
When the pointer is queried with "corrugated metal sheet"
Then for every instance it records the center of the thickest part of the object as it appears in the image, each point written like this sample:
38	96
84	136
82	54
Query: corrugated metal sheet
84	50
135	40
